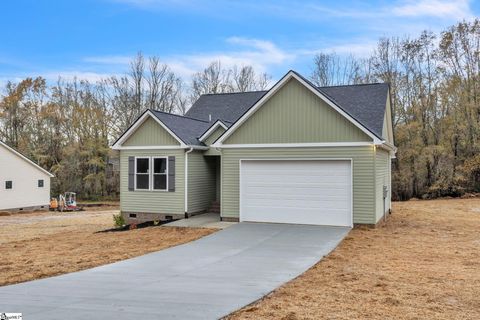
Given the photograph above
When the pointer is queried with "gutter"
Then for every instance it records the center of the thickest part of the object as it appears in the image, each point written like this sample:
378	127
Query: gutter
186	179
387	146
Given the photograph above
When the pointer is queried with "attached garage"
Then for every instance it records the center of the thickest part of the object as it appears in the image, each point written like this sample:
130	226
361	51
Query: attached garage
313	191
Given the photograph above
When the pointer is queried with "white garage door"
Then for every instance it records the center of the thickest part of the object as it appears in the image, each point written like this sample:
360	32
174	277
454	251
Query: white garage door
296	191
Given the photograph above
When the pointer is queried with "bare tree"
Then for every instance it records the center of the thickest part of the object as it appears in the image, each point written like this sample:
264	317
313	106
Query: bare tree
246	79
137	74
331	69
216	79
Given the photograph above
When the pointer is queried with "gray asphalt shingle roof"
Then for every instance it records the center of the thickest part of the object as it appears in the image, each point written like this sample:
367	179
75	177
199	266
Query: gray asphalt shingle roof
364	102
186	128
224	106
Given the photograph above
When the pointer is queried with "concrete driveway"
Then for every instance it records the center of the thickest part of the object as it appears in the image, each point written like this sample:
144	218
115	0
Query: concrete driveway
205	279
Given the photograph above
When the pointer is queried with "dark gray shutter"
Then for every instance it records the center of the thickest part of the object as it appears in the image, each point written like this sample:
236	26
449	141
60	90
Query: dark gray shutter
171	173
131	173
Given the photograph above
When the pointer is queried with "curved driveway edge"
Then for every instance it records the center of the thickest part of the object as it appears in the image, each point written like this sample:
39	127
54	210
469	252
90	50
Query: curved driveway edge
204	279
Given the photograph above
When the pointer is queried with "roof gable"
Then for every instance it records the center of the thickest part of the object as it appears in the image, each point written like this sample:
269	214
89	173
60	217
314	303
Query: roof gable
213	128
294	114
24	158
363	105
214	135
118	144
150	133
309	86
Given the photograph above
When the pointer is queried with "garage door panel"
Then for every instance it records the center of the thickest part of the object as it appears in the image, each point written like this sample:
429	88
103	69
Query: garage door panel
260	198
296	191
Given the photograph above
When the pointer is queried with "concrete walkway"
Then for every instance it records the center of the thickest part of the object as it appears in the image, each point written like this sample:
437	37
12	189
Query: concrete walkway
204	220
204	279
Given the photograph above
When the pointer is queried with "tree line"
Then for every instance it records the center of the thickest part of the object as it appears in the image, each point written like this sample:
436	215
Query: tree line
67	127
435	88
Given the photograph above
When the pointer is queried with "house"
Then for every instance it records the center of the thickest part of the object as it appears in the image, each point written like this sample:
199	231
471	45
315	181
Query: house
24	185
296	153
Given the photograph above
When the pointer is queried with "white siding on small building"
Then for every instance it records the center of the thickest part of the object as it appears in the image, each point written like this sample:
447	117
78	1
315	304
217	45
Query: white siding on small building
24	176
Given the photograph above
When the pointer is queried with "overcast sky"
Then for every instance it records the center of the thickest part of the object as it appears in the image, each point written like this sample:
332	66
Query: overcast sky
95	38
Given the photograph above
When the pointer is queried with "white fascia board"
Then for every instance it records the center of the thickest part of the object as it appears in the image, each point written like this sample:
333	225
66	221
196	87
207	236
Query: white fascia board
26	159
160	147
149	148
212	128
296	145
138	123
277	87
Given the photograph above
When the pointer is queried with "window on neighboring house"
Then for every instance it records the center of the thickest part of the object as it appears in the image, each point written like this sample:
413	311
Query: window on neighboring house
8	184
40	183
160	173
142	173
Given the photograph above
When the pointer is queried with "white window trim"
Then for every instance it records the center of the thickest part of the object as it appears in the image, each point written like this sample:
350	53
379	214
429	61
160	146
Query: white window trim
153	173
149	173
151	164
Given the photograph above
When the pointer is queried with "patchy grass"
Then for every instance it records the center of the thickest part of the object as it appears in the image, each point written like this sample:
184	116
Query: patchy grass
43	244
424	264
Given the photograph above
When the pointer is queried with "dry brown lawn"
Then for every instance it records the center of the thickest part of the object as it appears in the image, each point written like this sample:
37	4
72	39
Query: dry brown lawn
424	264
38	245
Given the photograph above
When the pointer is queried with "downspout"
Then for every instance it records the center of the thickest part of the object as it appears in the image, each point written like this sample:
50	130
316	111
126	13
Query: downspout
186	180
221	184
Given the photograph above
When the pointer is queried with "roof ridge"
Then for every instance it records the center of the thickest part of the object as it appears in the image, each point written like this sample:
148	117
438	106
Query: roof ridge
238	92
178	115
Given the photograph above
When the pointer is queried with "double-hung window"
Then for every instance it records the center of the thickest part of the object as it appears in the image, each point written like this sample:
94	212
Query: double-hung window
160	173
142	173
151	173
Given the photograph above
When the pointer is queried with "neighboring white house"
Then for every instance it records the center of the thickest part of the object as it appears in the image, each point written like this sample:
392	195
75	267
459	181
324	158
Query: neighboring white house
24	185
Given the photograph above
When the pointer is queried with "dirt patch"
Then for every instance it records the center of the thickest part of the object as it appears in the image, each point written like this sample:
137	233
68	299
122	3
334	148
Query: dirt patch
424	264
40	245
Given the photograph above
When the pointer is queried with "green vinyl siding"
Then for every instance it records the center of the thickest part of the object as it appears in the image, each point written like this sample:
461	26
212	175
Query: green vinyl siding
201	181
153	201
294	114
151	133
382	178
363	175
211	139
387	123
214	135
